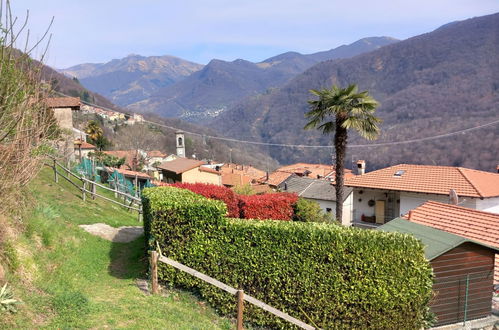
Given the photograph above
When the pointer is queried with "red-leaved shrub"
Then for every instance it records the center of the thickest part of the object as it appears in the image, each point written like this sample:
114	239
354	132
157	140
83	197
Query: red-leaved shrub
212	191
277	206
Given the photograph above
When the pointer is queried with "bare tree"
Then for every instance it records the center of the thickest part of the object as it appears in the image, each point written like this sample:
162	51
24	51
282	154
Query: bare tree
27	126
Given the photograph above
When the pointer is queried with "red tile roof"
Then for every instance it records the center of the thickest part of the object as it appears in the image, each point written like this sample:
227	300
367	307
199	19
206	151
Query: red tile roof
235	179
473	224
276	178
247	170
209	170
180	165
84	145
315	169
430	179
63	102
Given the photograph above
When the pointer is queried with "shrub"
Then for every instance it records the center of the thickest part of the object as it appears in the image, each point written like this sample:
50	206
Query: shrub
278	206
309	211
212	191
338	277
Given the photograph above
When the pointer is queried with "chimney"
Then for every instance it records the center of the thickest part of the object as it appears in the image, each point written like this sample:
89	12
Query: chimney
453	198
497	168
410	215
361	167
267	176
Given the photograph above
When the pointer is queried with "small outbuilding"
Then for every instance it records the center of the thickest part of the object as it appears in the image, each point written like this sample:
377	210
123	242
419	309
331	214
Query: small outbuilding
463	269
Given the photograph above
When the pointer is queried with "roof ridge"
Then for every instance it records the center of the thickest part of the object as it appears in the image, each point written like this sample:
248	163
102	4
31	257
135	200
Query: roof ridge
458	206
460	169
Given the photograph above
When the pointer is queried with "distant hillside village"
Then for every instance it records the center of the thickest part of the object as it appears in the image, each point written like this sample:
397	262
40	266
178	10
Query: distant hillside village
453	210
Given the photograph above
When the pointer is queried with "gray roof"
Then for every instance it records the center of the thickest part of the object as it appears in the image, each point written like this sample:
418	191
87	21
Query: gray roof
313	188
436	241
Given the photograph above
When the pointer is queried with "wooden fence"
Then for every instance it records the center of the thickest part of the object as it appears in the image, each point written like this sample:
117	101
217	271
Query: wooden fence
90	187
241	296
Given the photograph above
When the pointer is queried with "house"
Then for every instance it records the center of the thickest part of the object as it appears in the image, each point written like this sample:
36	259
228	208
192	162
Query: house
322	192
82	148
315	171
237	175
154	158
463	271
480	226
385	194
189	171
63	108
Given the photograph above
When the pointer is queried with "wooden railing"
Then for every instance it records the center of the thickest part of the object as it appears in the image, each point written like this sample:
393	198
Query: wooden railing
89	187
241	296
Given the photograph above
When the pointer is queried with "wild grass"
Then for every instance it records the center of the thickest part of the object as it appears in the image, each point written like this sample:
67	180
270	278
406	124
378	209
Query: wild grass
67	278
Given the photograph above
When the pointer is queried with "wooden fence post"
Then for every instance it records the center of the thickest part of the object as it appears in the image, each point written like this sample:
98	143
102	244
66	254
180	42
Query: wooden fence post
240	309
115	187
154	272
56	177
84	188
94	190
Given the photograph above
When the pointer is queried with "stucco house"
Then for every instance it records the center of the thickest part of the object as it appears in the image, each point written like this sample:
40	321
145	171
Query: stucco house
385	194
323	192
188	171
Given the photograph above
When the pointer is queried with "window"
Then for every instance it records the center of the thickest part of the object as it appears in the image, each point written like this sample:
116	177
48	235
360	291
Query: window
180	142
399	173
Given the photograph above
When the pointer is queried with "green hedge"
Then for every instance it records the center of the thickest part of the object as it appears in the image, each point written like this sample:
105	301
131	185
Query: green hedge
339	277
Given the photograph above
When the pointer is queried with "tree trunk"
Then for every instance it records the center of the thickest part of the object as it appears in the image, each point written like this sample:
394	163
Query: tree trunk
340	145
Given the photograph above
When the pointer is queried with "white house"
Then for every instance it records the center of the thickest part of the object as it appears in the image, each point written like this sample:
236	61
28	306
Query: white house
388	193
322	192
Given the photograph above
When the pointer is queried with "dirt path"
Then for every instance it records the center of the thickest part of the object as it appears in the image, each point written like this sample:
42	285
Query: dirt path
123	234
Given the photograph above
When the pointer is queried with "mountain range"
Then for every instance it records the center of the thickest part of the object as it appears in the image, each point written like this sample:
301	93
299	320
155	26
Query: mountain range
432	84
133	78
172	87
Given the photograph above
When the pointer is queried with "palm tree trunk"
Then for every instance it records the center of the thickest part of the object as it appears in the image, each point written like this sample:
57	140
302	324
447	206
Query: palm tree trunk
340	145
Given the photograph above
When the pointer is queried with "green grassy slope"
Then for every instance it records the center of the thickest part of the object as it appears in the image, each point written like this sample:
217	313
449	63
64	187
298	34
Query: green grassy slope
67	278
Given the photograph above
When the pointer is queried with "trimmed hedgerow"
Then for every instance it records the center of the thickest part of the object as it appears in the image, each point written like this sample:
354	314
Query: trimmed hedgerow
337	277
212	191
277	206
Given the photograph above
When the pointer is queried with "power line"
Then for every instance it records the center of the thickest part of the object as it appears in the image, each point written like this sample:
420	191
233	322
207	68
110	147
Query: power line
371	145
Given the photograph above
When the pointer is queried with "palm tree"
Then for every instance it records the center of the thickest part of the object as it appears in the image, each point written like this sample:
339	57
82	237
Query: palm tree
93	130
338	110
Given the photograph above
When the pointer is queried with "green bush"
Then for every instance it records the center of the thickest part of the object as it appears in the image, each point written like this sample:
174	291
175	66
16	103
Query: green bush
310	211
338	277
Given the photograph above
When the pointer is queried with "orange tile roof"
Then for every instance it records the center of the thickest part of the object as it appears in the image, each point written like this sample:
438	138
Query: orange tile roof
247	170
473	224
430	179
63	102
209	170
180	165
276	178
315	169
235	179
84	145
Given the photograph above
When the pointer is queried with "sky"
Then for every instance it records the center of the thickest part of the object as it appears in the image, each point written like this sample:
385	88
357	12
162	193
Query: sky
200	30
